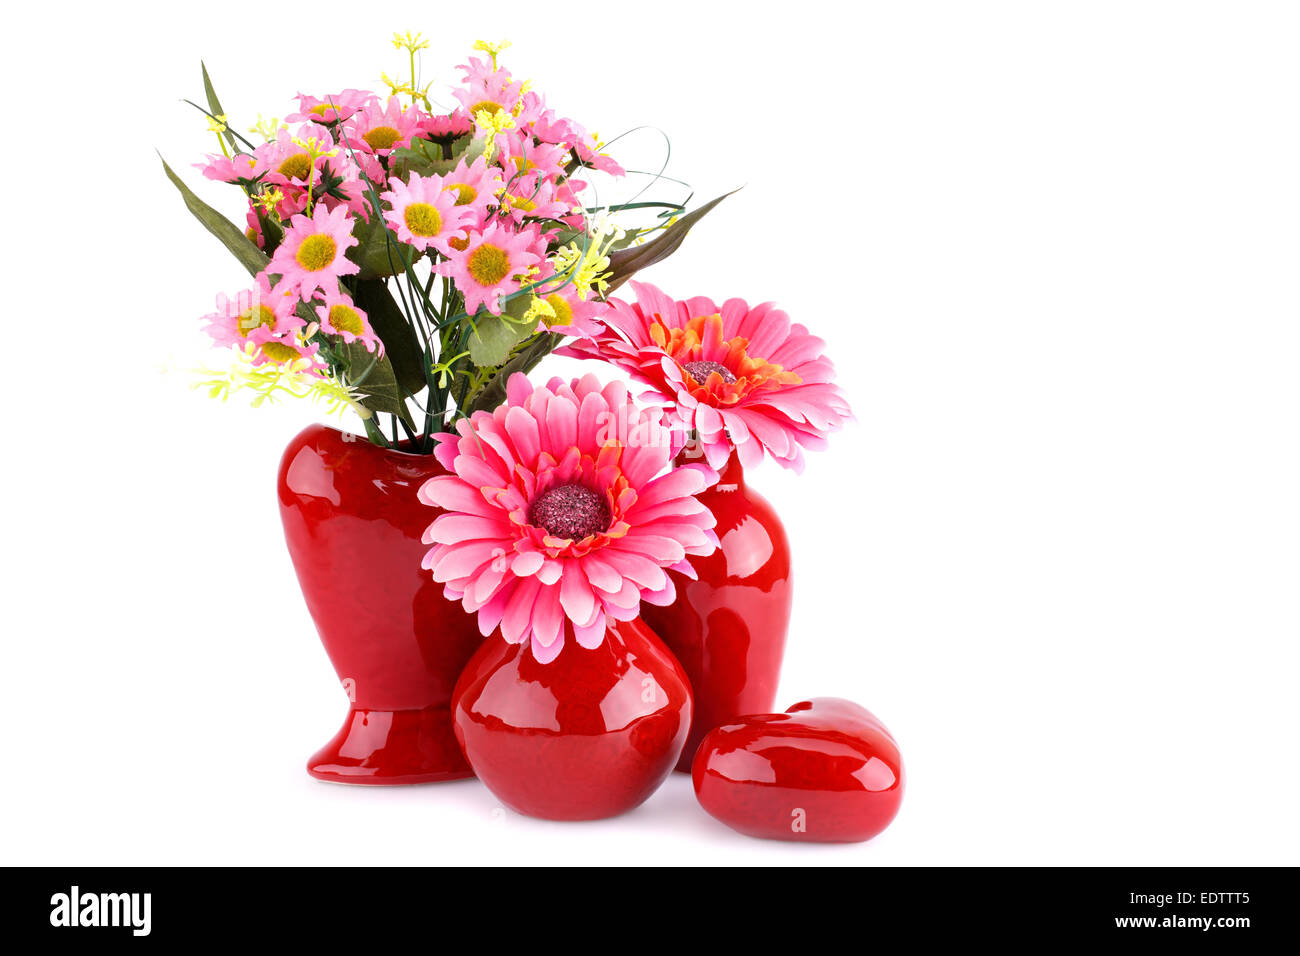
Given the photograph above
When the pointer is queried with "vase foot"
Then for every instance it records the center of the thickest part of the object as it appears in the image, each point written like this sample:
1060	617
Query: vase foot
392	747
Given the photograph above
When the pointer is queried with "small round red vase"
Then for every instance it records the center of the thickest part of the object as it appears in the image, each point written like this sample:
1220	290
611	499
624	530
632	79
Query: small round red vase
353	525
591	734
728	627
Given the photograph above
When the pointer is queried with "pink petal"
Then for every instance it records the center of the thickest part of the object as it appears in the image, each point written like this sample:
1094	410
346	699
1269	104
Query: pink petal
593	635
575	593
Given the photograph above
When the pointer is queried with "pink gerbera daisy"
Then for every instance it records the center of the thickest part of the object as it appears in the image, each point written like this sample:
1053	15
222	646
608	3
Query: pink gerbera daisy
424	212
311	257
340	316
258	308
558	519
494	263
744	379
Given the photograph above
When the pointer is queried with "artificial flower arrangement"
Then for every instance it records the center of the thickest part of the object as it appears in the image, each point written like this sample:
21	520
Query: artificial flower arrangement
408	259
575	590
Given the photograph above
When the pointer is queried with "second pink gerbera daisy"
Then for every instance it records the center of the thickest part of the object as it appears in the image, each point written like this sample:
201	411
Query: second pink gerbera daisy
742	378
558	519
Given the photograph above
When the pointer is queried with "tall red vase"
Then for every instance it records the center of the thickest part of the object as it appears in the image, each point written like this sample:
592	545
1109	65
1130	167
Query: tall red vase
589	735
353	524
728	628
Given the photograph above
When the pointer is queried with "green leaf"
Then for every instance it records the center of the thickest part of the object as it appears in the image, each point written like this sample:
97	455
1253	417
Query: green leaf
494	392
495	336
401	345
232	237
626	263
375	382
214	105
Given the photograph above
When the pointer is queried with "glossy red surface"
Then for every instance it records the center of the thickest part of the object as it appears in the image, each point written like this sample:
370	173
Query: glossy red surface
591	734
728	628
825	771
353	526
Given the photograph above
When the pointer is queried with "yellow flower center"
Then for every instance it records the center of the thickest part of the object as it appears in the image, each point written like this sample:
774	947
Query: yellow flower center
522	164
346	319
382	137
563	311
316	252
486	105
279	352
255	318
459	243
320	109
465	193
422	219
488	264
297	166
520	203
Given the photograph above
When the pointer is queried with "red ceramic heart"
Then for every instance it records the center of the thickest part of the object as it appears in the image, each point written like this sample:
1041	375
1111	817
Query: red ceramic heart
825	771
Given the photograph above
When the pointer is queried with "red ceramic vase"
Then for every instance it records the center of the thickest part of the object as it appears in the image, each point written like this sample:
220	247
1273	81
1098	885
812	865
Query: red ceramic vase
591	734
728	627
353	524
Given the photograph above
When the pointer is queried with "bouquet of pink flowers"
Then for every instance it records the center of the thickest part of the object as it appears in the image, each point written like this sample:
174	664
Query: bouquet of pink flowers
408	258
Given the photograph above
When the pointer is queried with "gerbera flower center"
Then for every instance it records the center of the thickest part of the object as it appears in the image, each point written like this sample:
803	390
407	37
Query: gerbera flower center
492	108
255	318
523	204
570	511
488	264
422	219
345	319
382	137
297	166
279	352
700	371
316	252
465	193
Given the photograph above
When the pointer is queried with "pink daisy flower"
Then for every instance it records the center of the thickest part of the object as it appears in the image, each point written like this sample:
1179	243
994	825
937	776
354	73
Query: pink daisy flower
311	257
285	162
493	263
251	310
475	185
340	316
743	378
287	351
558	519
331	109
383	129
445	129
425	213
486	88
242	167
573	316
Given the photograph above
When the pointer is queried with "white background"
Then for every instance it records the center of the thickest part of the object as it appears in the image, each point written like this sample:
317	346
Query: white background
1052	248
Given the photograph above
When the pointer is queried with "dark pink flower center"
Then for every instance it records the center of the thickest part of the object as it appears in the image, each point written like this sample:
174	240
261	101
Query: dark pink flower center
700	371
570	511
